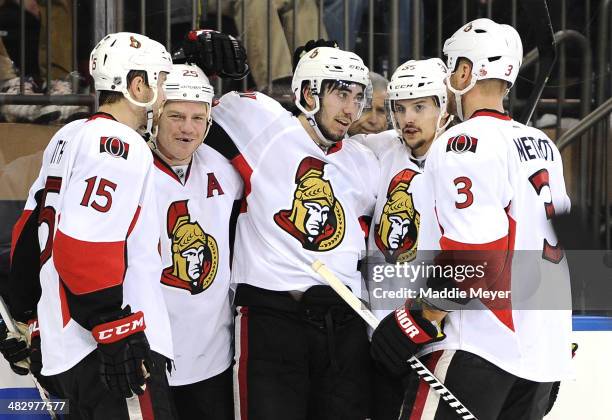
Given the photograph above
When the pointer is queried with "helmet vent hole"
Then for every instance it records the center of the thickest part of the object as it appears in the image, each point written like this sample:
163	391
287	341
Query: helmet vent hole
492	59
480	31
113	44
104	61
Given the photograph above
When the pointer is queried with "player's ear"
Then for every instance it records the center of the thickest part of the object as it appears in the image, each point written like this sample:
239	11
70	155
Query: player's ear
463	73
308	97
138	88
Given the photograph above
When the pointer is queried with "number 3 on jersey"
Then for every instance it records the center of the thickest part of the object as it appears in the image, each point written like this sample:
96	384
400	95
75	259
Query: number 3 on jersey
539	180
464	184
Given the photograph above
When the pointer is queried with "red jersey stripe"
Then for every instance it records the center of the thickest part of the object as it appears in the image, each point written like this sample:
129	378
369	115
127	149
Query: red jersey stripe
17	229
87	267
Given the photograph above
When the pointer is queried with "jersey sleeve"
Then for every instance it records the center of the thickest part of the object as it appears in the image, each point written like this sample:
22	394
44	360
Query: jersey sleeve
244	116
378	143
561	199
22	289
99	207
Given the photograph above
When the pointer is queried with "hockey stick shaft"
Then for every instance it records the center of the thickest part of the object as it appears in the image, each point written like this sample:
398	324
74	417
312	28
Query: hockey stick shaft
367	315
10	325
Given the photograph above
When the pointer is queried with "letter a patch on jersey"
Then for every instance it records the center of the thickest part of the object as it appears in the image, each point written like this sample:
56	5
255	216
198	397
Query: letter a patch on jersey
114	146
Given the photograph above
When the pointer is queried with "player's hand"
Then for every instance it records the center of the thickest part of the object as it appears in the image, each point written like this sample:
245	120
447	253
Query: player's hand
14	347
400	335
309	46
123	352
216	53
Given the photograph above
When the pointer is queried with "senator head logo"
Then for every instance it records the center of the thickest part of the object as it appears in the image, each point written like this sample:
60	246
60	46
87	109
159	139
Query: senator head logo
195	256
397	229
316	218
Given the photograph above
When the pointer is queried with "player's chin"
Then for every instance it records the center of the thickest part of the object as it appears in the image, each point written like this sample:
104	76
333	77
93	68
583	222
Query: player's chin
414	142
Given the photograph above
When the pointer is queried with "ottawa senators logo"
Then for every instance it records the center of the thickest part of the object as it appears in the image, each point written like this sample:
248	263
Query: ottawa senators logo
134	43
114	146
461	144
316	218
397	230
195	256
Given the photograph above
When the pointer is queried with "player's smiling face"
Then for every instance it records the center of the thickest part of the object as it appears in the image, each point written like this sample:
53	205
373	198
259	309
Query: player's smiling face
416	119
181	130
339	109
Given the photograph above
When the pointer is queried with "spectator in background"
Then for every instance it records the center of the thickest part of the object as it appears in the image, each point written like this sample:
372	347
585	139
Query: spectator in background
9	24
281	40
374	118
334	20
61	39
333	17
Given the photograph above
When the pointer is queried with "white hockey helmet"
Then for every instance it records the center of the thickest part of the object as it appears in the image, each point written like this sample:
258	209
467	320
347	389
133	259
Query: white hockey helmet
418	79
187	82
327	63
495	50
119	53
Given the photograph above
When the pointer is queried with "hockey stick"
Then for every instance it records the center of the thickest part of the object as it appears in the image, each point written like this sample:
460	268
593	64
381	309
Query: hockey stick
416	365
537	12
10	325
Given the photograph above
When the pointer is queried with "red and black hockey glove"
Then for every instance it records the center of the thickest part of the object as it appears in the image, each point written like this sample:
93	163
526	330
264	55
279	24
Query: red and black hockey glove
400	335
15	347
216	53
123	352
309	46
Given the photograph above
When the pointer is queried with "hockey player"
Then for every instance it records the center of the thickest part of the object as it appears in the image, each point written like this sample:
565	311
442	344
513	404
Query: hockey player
197	189
301	352
496	184
103	321
403	218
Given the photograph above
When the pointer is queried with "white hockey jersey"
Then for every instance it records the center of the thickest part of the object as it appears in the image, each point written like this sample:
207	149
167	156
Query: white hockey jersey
98	229
496	184
403	219
195	214
302	203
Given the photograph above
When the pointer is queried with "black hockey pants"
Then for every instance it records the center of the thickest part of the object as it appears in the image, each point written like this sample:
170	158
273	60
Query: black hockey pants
298	360
489	392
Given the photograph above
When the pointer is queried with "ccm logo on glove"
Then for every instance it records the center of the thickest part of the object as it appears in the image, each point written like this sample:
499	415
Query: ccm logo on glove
111	332
408	327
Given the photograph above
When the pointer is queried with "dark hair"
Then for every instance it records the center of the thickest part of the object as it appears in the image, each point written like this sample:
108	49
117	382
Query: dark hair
327	86
108	97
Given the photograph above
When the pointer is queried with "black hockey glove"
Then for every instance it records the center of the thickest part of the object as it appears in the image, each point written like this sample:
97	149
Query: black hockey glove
14	347
399	336
35	351
216	53
123	352
309	46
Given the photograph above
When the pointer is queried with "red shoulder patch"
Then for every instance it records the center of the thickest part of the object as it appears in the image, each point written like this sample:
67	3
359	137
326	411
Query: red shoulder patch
114	146
461	144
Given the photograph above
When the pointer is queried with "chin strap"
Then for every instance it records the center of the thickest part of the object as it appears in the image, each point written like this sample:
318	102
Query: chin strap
148	108
310	117
459	93
440	129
